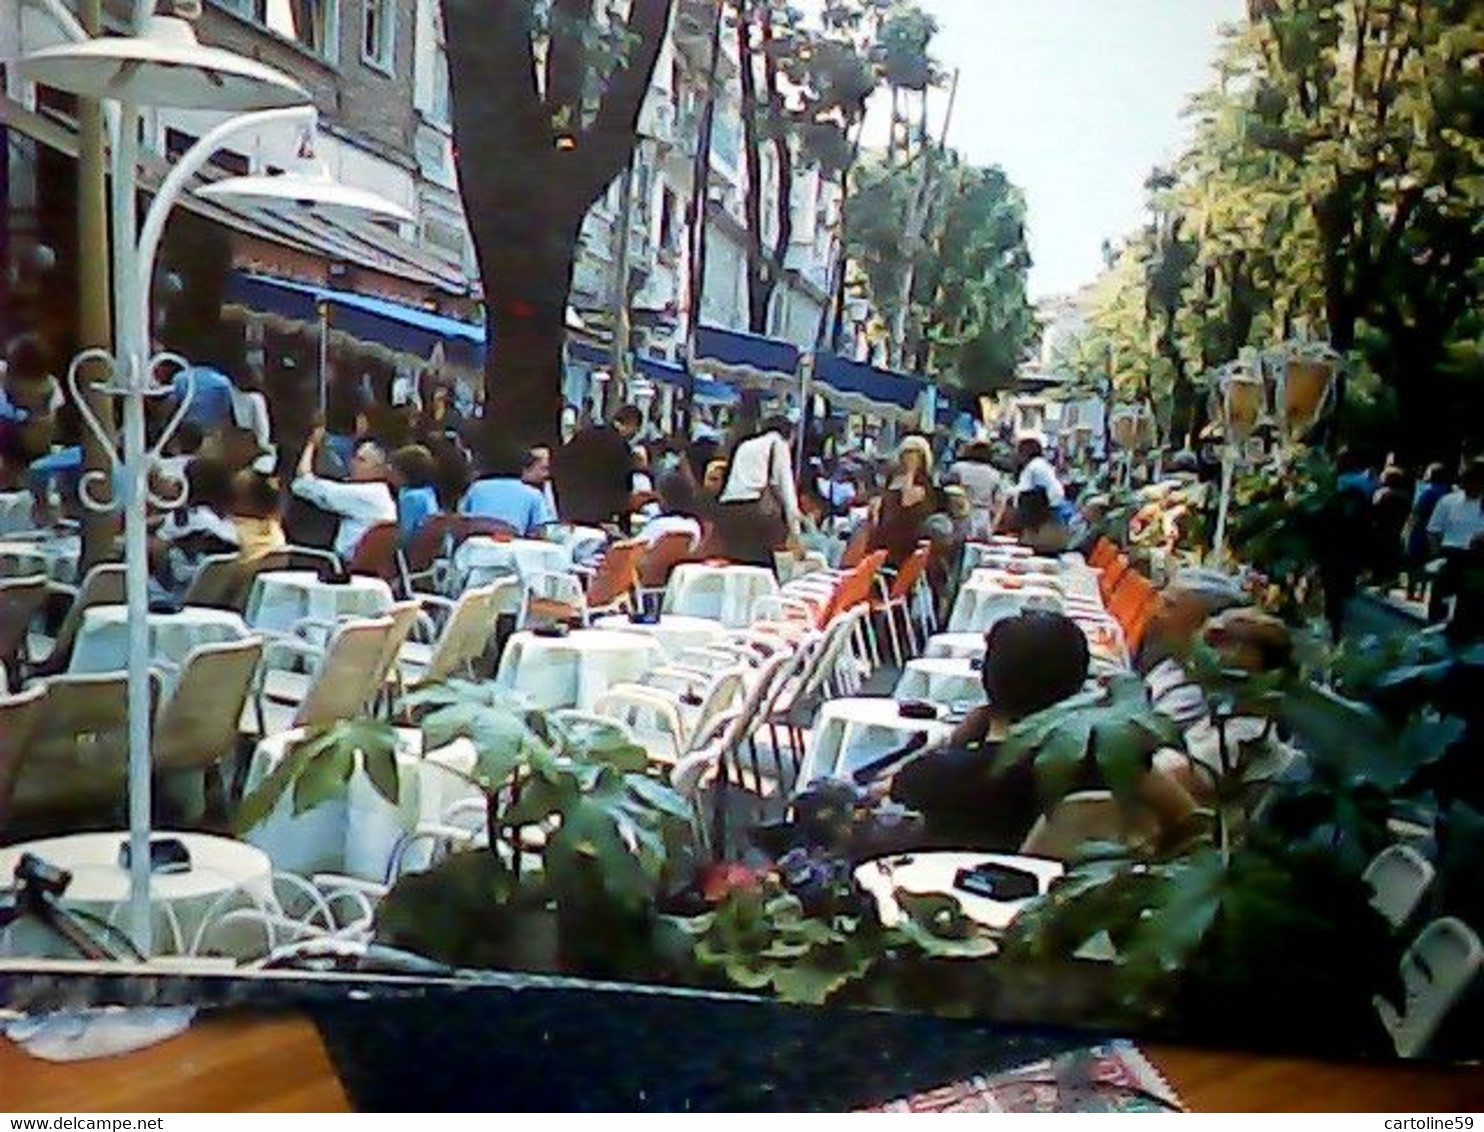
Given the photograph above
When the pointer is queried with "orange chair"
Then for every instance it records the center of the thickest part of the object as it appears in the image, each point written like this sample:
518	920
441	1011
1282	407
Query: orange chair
898	598
376	554
1104	551
1131	605
1112	574
564	599
855	549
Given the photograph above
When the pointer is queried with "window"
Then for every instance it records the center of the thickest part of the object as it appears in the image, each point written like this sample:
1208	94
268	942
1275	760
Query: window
667	219
177	142
379	35
313	24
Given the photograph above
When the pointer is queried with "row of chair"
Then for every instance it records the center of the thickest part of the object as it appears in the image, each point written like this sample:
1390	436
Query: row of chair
1129	596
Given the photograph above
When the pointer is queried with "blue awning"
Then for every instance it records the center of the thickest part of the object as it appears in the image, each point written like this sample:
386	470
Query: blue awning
657	369
864	388
744	359
394	325
588	353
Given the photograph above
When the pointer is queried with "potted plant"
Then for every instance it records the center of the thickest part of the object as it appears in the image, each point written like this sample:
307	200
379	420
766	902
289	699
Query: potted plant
580	837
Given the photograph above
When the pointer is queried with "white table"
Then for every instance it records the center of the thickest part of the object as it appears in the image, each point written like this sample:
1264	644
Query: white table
718	593
956	646
15	512
979	607
580	542
358	833
223	874
55	556
480	560
851	732
282	598
673	632
941	680
977	554
934	873
573	671
103	638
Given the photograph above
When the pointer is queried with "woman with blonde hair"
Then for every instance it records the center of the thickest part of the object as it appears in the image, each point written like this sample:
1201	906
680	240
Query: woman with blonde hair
900	515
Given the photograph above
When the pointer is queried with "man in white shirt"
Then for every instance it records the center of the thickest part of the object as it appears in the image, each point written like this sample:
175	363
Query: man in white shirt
361	502
1456	531
1036	471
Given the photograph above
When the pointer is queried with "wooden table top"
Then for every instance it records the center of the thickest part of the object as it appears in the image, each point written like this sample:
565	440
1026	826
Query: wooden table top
278	1064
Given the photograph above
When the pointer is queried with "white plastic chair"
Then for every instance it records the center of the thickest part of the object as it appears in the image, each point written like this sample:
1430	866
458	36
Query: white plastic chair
675	734
1436	971
1399	877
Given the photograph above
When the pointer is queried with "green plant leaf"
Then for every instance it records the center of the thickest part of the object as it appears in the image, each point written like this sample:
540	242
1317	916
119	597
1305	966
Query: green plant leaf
658	796
263	799
324	777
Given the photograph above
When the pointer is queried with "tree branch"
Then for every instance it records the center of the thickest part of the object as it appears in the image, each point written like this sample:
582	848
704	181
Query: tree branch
608	141
567	61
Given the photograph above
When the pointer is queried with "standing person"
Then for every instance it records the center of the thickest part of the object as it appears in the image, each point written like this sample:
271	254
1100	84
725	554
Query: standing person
758	512
594	469
208	384
1435	484
984	488
1035	471
1390	507
1456	526
361	502
900	515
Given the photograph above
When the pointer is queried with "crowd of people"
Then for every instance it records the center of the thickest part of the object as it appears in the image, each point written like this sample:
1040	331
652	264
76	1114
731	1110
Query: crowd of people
376	459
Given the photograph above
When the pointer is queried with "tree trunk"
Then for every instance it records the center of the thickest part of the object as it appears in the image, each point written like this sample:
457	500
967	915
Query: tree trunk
525	321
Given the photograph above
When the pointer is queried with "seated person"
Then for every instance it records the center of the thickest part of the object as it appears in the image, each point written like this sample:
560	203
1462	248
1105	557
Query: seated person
1032	662
1184	606
500	493
361	502
412	473
1037	524
678	511
255	514
199	529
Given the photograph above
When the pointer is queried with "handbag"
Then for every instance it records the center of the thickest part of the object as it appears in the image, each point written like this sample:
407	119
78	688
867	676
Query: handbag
769	501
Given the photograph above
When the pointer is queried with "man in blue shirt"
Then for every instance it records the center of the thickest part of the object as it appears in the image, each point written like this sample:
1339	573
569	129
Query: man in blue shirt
501	495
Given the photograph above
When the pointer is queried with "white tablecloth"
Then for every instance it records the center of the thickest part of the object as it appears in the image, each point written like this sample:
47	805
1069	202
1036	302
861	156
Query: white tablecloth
15	512
56	556
674	633
103	639
219	868
956	646
941	680
977	554
925	874
358	833
573	671
481	560
283	597
849	733
718	593
979	606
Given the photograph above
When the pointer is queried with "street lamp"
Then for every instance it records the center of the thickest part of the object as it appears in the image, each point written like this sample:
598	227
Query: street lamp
1305	374
162	65
1241	397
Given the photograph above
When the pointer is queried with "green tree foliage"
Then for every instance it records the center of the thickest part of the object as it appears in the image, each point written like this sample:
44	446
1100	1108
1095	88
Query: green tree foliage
969	321
1334	188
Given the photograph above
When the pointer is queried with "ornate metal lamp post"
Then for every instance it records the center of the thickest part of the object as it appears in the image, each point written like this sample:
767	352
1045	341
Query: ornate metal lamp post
161	65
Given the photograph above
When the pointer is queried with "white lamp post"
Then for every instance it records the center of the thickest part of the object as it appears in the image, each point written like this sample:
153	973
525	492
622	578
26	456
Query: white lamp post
162	66
1241	396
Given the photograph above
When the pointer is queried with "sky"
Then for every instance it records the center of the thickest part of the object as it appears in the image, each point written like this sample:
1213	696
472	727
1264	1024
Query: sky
1077	100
